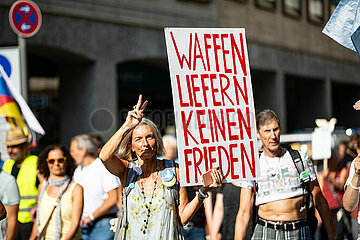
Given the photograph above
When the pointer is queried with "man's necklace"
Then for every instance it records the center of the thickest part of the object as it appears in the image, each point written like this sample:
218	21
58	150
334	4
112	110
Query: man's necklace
272	170
146	221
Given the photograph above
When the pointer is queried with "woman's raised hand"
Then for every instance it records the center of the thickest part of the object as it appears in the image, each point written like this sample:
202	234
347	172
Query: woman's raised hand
357	105
134	116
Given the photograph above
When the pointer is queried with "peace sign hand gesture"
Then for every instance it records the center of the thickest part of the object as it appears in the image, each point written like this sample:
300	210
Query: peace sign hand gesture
134	116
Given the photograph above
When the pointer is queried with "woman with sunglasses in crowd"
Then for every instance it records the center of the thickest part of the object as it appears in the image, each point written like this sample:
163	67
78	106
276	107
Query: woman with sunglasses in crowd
60	200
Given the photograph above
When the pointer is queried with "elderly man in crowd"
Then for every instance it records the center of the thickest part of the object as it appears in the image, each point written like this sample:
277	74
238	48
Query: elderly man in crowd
281	192
23	167
100	189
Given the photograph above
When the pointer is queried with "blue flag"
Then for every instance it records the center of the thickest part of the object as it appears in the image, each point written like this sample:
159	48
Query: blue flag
355	38
343	23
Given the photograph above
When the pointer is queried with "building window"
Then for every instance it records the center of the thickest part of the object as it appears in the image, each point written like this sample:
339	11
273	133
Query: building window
242	1
316	11
292	7
267	4
333	4
199	1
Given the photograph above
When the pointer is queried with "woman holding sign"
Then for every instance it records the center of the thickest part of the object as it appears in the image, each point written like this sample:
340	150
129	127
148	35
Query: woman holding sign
153	203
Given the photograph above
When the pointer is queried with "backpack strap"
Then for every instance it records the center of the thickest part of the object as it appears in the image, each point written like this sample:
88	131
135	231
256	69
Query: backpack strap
304	177
131	178
299	165
170	164
255	187
255	184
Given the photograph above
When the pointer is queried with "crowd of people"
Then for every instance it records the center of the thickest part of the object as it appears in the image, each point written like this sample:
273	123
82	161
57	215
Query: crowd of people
128	188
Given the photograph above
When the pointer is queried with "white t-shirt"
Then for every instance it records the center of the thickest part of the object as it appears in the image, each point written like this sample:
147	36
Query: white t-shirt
9	195
351	175
96	181
279	178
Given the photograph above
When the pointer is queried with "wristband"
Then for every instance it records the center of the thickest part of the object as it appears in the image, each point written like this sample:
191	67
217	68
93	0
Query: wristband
199	197
355	188
91	217
202	194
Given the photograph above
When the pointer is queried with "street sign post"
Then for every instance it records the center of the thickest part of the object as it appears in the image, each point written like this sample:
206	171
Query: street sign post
10	61
25	18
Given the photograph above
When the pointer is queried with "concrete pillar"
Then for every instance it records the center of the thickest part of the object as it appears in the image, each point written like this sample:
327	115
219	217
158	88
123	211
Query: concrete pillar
88	100
328	98
76	99
104	116
280	93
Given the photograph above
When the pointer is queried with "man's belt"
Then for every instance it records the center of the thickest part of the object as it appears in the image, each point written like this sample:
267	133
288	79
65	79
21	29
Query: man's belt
287	226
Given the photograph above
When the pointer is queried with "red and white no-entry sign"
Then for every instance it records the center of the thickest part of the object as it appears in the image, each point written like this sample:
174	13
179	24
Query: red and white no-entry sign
25	18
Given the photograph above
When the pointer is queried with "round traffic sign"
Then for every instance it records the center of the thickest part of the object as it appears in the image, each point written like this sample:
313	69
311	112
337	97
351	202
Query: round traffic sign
25	18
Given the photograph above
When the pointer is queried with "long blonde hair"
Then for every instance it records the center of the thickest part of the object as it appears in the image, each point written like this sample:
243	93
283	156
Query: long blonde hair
124	148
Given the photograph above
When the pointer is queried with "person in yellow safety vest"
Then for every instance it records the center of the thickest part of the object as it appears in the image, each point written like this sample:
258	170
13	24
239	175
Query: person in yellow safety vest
23	167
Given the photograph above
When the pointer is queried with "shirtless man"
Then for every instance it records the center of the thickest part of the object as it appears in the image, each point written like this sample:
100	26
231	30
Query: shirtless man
279	195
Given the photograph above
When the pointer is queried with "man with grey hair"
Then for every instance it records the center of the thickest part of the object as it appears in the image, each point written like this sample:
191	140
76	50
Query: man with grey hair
170	147
100	189
281	190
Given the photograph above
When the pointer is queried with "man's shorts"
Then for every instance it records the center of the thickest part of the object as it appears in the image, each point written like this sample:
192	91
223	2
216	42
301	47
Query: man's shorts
262	233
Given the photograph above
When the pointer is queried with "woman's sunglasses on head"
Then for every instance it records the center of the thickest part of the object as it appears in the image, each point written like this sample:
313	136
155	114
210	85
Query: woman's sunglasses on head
59	160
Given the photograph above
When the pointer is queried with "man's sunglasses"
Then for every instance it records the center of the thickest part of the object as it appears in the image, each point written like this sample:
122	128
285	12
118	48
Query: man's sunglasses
59	160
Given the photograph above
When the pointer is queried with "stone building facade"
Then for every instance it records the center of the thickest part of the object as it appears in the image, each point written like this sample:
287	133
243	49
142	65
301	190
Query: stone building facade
91	59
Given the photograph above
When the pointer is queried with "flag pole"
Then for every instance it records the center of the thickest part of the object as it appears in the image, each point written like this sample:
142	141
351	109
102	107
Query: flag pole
23	67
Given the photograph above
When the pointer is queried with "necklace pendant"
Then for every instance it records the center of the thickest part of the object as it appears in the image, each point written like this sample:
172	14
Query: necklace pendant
271	173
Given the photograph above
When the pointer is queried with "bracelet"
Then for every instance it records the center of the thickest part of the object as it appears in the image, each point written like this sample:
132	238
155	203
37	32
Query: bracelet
91	217
355	188
199	197
202	194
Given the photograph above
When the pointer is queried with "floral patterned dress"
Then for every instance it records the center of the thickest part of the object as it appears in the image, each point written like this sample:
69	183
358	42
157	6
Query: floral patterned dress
162	221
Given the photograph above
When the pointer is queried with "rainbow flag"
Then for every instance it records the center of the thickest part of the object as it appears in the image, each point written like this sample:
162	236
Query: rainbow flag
9	107
14	107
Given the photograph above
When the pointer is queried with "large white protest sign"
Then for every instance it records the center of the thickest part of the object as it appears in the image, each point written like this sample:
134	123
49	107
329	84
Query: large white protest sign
213	103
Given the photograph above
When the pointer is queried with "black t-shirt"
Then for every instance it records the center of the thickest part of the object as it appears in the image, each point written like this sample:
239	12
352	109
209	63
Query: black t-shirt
231	201
199	217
